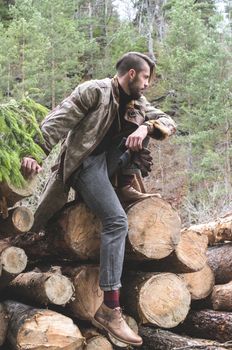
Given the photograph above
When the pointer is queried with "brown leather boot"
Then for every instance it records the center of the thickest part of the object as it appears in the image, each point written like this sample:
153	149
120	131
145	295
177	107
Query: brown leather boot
113	322
129	194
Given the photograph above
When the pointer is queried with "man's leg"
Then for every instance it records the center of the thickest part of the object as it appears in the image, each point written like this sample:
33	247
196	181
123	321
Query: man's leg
53	198
91	181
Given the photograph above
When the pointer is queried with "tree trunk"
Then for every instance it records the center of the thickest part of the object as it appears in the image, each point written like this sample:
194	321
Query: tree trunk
154	230
220	261
38	329
216	325
13	261
221	297
95	340
14	194
159	339
200	283
19	220
216	231
4	320
87	293
42	287
160	299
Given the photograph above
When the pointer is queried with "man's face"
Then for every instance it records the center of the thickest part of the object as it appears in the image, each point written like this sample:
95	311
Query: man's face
139	82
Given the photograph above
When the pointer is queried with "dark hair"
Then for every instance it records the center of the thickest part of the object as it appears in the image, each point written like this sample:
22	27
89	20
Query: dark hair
134	60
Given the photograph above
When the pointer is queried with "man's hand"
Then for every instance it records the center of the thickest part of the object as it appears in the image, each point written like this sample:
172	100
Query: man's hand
135	140
30	167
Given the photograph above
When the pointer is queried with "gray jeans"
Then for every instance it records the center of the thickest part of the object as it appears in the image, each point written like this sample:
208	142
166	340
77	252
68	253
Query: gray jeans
92	182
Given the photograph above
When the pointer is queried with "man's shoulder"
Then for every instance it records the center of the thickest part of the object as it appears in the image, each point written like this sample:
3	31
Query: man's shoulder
97	83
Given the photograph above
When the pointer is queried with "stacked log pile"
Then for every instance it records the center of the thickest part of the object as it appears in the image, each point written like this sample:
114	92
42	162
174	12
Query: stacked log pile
166	270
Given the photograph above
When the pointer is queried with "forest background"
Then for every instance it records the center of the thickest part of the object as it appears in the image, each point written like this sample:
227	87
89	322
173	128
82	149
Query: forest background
50	46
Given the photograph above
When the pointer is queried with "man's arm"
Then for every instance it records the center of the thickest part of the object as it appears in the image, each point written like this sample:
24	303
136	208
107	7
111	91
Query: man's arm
157	125
160	125
60	121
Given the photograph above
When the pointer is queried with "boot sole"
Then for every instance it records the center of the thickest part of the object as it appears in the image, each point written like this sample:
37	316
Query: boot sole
100	326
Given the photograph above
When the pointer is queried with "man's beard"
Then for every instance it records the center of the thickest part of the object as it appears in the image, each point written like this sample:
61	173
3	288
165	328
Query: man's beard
135	92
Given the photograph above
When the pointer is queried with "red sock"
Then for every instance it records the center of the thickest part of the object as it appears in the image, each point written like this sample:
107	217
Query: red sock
111	298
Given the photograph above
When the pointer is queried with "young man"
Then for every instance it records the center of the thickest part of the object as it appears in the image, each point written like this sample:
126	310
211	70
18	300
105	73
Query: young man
91	122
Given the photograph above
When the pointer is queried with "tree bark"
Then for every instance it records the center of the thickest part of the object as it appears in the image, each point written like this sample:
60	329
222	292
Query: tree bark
87	293
4	320
159	339
200	284
216	231
154	231
42	287
220	260
37	329
19	220
14	194
221	297
210	324
13	261
160	299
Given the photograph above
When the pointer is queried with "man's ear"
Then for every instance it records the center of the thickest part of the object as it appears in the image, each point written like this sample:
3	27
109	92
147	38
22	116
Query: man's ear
131	73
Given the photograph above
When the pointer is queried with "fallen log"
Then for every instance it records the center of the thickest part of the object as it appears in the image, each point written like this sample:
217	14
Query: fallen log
87	294
210	324
220	260
13	261
200	284
19	220
159	299
42	287
216	231
189	255
4	320
159	339
95	340
221	297
37	329
154	230
13	194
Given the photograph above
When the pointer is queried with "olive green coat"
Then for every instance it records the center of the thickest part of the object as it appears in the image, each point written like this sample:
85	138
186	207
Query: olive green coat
83	118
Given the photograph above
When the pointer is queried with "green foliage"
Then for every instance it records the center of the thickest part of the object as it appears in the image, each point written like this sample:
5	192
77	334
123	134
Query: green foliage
18	126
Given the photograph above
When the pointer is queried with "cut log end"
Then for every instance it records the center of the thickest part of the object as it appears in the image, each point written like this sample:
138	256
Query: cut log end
191	250
98	342
200	283
22	219
13	260
59	289
164	300
159	220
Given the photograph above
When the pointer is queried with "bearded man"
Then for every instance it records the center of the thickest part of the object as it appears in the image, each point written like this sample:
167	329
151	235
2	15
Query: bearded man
91	123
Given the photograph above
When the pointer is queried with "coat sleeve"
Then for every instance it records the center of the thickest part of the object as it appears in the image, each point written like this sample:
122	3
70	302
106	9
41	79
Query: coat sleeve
160	125
68	114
